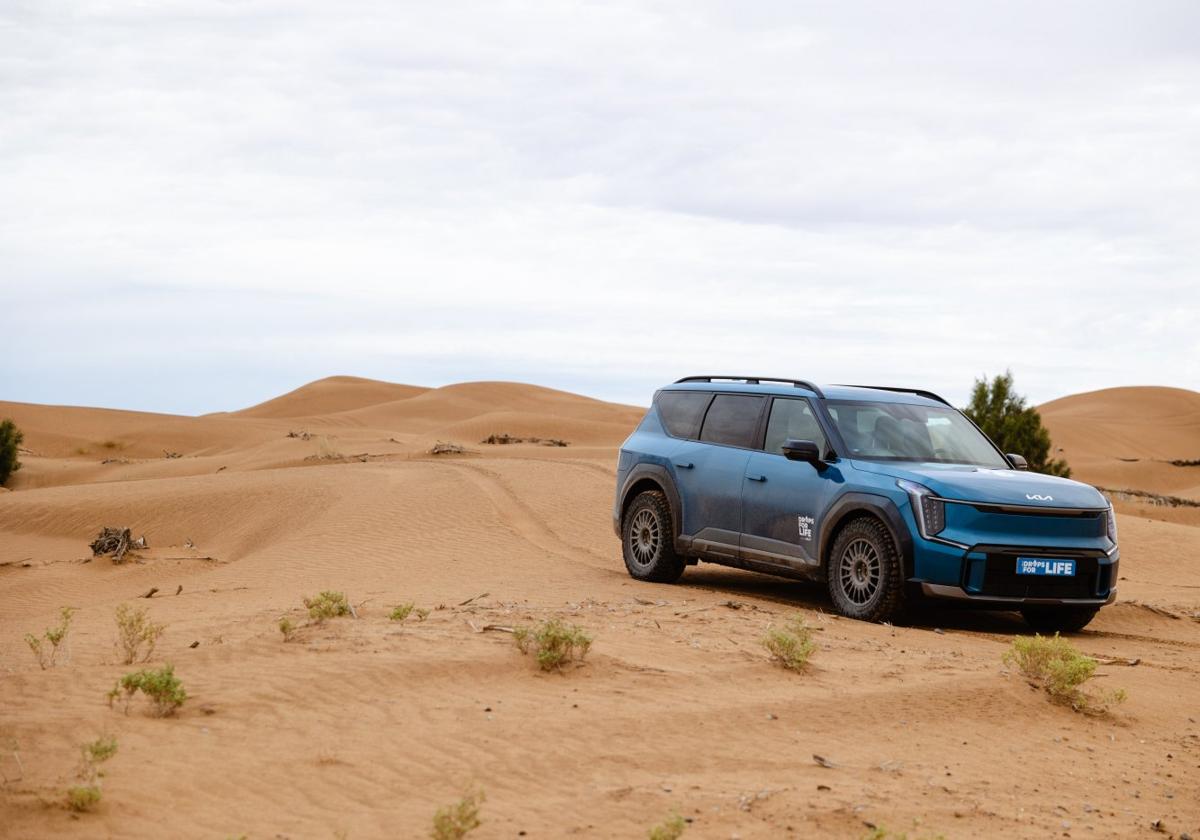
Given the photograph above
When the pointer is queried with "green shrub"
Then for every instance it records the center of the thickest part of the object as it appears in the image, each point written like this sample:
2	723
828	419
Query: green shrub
453	822
1055	665
10	441
553	642
669	829
83	797
135	630
327	605
287	628
161	686
56	637
401	612
86	795
790	646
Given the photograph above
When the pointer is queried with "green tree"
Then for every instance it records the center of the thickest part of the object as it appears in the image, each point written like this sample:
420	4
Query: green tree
1002	414
10	439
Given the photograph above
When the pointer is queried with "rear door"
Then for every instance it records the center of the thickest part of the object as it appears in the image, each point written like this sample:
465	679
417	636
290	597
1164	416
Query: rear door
709	472
782	500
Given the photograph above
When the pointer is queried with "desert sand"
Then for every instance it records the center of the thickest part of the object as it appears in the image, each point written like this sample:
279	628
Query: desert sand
363	727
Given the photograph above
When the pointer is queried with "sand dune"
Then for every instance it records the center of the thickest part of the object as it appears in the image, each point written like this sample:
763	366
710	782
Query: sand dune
362	728
1127	437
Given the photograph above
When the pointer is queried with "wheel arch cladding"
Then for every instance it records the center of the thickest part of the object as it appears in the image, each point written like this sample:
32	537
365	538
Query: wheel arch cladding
651	477
851	505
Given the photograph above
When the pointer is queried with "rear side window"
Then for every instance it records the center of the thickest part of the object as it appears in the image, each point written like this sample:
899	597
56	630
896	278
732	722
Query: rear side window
732	420
682	411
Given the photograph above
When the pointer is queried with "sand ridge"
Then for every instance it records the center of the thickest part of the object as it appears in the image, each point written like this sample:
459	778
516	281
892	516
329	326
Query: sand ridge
362	727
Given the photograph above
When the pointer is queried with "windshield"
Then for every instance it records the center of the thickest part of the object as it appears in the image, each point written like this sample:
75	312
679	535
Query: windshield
879	431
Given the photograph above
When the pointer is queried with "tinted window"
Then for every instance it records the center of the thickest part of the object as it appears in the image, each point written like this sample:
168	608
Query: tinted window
792	419
732	420
681	412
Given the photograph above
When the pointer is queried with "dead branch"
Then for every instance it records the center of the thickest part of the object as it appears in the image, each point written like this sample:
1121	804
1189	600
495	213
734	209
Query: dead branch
117	542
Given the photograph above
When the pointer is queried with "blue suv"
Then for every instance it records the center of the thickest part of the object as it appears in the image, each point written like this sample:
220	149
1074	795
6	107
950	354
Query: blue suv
888	495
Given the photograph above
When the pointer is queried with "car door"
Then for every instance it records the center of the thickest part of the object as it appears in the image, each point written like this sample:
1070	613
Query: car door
782	500
709	472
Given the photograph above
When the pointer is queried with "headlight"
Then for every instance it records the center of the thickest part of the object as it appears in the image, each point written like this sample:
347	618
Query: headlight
929	510
1112	525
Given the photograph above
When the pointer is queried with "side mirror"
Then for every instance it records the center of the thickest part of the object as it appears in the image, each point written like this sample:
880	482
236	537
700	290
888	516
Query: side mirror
1018	461
803	450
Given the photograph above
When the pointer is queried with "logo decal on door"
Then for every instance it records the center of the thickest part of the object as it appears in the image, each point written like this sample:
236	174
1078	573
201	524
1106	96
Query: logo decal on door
806	527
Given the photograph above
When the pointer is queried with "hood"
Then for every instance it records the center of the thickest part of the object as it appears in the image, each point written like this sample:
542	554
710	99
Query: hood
979	484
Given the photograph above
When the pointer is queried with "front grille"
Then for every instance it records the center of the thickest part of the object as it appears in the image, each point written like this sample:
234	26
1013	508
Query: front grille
1000	578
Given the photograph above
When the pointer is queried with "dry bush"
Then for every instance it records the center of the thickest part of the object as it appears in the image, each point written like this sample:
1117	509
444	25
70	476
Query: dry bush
160	686
287	628
455	821
327	449
135	630
669	829
327	605
553	642
792	645
46	647
1053	663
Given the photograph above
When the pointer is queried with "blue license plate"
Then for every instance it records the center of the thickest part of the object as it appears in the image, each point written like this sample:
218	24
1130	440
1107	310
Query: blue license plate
1045	566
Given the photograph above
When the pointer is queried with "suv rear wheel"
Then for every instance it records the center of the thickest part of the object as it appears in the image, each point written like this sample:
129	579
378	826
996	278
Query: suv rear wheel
1058	619
864	574
648	539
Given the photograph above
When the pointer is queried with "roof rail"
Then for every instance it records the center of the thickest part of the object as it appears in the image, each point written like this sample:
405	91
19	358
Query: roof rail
755	380
929	395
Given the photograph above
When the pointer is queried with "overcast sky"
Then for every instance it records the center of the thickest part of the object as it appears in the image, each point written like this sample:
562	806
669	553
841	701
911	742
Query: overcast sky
205	204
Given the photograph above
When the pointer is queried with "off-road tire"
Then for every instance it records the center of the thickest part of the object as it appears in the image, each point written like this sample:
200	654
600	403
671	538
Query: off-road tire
1047	620
864	572
648	539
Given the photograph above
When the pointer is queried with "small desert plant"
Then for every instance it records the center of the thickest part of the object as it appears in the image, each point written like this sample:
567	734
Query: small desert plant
86	795
327	448
553	642
1054	664
400	612
10	441
287	628
453	822
135	630
56	637
161	686
790	646
327	605
669	829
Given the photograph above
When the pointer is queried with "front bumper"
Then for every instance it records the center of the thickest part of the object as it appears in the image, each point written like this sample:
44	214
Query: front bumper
985	575
945	592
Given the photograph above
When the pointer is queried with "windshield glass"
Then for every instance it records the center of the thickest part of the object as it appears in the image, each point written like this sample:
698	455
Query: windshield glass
880	431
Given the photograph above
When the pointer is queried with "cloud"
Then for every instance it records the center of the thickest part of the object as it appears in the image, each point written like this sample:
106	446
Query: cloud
596	196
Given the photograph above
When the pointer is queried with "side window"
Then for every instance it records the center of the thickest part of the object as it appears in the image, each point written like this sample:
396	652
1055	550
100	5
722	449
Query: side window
732	419
682	411
792	419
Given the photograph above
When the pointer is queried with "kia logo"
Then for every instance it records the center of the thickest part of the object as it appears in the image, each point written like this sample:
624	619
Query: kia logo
1036	498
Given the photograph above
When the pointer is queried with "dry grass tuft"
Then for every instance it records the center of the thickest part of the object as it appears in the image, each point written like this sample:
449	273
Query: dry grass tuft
1053	664
792	645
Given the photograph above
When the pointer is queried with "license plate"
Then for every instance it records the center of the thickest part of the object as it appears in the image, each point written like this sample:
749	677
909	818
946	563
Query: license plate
1045	566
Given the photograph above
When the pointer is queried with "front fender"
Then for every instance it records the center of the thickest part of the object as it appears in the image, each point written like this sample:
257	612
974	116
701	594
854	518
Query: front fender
880	506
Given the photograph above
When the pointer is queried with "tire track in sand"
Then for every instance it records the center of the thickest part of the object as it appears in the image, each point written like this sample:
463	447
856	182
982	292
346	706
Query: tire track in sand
518	517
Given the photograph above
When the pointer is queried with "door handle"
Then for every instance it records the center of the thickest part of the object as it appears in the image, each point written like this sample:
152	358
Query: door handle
757	477
686	466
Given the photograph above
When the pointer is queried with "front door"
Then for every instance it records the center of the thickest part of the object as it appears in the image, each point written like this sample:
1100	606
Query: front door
782	500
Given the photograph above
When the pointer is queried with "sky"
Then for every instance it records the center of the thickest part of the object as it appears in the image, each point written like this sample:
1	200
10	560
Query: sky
206	204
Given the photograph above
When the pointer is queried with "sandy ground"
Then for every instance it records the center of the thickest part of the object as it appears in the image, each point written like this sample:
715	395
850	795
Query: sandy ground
362	728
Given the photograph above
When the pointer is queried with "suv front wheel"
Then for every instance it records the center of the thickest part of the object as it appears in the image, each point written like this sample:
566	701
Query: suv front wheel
864	574
648	539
